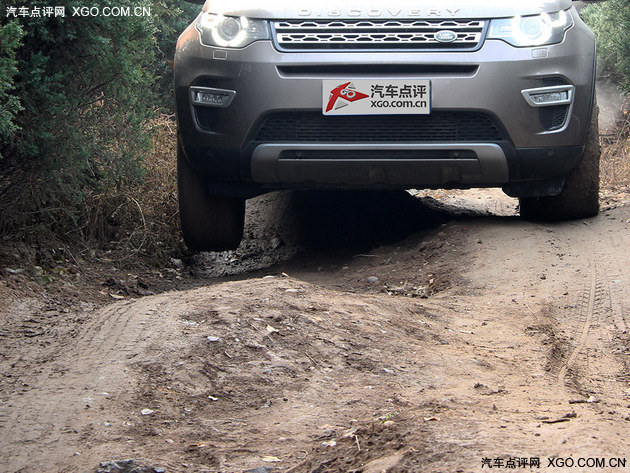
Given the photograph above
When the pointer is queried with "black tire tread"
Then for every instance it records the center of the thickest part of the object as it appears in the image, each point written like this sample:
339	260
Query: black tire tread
209	223
580	195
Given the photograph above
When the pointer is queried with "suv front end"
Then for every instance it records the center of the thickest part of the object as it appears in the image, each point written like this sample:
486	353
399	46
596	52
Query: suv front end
381	97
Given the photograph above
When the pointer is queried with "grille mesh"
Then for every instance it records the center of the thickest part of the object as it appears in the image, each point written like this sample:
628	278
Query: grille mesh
554	118
559	118
313	127
376	34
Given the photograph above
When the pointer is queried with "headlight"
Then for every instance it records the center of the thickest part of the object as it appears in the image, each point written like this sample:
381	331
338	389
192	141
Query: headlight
536	30
229	31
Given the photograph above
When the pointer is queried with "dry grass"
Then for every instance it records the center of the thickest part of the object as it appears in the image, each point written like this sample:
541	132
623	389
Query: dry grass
135	224
615	160
143	220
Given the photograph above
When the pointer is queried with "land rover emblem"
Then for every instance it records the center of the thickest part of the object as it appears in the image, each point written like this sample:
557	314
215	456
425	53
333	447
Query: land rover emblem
445	36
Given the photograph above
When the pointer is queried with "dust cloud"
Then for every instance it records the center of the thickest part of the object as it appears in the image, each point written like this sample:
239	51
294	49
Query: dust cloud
612	105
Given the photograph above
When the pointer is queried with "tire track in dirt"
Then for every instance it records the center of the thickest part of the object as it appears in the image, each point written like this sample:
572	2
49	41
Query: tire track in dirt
589	311
63	398
574	279
619	292
618	275
599	322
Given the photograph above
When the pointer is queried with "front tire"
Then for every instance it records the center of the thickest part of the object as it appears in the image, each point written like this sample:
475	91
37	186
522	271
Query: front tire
209	222
580	195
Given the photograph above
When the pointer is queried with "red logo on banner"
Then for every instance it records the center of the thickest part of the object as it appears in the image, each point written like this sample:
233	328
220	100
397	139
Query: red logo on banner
346	92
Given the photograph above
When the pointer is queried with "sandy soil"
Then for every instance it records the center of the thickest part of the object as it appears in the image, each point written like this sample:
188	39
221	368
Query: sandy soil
391	333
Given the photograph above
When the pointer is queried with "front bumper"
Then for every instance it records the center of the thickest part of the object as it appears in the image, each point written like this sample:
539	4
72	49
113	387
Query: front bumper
361	165
223	144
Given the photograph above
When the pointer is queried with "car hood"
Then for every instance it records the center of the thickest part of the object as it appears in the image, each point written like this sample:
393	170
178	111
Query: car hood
290	9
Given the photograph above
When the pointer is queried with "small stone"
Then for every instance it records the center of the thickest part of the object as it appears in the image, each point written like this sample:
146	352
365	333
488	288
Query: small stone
126	466
147	412
177	263
214	339
372	280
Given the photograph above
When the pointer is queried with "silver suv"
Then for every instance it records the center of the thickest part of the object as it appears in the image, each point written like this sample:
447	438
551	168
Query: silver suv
391	95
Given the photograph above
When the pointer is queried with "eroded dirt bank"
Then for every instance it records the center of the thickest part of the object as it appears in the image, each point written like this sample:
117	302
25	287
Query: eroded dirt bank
450	333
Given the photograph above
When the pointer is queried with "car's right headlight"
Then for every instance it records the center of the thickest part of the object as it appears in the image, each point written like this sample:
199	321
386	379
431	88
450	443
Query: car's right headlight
532	30
230	31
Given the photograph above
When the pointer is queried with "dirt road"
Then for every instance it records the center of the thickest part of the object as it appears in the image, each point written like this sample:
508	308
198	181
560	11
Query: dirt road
444	335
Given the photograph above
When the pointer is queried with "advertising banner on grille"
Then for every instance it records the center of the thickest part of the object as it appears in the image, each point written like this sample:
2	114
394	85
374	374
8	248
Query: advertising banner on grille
376	97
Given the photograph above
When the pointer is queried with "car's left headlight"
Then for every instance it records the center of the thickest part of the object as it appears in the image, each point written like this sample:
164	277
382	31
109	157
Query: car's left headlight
532	30
230	31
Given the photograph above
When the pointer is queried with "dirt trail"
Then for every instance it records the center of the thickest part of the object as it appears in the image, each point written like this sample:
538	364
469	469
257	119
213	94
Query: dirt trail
471	336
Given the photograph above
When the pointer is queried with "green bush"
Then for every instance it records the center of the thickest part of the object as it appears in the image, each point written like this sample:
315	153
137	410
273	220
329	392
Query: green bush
171	17
10	36
611	22
76	96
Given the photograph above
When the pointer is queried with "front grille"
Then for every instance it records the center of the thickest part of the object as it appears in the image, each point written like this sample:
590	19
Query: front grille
313	127
377	34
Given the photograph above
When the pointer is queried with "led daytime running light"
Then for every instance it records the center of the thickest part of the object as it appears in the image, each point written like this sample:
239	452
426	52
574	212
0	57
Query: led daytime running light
532	30
230	32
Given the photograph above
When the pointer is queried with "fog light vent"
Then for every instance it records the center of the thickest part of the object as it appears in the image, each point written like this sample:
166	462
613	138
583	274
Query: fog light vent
210	97
549	96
